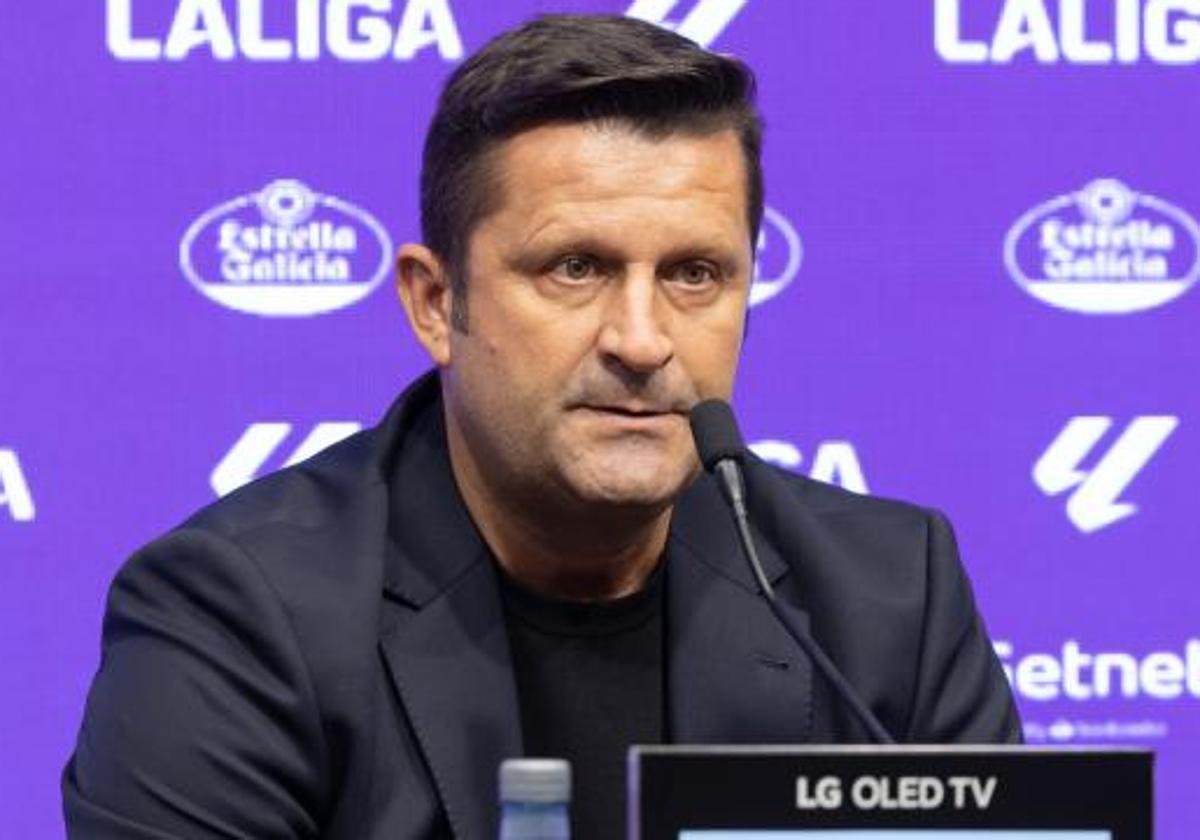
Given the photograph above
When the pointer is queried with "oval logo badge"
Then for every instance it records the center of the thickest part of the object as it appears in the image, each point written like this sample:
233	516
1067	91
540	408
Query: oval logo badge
285	251
777	258
1104	250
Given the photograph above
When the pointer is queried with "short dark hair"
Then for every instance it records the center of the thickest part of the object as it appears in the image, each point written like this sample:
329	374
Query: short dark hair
573	68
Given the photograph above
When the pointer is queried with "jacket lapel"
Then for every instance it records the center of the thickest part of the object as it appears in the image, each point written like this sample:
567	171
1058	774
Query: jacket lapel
735	675
445	641
451	666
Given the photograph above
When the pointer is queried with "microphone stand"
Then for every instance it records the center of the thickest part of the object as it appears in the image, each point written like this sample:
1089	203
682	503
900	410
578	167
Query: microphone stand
729	476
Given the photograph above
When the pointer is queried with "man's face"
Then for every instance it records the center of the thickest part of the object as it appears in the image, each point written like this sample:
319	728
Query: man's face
606	296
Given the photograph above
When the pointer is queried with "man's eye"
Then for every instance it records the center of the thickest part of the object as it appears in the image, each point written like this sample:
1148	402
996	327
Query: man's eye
695	274
575	268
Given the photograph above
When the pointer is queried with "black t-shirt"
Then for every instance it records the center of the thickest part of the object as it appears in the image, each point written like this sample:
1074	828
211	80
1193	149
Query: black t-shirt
590	683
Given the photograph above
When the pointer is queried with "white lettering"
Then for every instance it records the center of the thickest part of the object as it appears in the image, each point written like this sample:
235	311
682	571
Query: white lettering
1074	663
308	29
285	267
1163	675
837	463
1193	667
14	488
1125	665
1075	44
371	36
1063	239
866	792
427	23
254	44
314	236
901	793
1038	676
1184	47
1166	31
984	791
119	29
825	794
1024	24
1129	31
947	39
981	791
196	23
349	30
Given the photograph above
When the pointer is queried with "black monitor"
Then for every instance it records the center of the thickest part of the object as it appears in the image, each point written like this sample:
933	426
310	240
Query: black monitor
889	793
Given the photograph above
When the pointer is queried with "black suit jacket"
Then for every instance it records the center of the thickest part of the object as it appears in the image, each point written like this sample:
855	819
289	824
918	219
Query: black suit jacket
323	653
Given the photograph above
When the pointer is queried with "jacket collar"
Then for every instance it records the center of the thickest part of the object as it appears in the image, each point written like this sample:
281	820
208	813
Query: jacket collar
431	539
733	676
444	640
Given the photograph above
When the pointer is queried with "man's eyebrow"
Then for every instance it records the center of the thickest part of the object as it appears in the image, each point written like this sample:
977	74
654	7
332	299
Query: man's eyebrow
724	255
727	257
540	249
566	238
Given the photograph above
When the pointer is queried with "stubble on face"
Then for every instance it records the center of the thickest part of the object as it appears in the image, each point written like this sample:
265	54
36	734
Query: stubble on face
607	296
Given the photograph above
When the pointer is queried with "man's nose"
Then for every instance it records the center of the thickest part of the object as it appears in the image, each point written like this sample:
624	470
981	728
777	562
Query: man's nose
633	332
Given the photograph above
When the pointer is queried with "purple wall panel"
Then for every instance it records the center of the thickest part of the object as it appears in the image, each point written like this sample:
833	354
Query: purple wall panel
892	349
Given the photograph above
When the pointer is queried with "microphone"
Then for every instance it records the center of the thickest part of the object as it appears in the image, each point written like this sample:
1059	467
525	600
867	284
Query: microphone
721	450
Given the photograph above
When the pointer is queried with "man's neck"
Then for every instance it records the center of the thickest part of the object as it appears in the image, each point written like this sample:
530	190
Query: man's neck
576	552
582	567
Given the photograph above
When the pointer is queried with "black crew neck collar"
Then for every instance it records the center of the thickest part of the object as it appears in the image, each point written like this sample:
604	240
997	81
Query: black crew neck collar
565	617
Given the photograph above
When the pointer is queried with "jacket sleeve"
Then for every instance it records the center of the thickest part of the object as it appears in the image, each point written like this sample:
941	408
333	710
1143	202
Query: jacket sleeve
202	719
962	695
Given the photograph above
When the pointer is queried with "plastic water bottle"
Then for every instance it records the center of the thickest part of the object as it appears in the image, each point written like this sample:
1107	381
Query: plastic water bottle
535	795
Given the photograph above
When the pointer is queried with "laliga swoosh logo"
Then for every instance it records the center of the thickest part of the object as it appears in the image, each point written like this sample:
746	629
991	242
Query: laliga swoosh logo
259	442
704	24
1094	504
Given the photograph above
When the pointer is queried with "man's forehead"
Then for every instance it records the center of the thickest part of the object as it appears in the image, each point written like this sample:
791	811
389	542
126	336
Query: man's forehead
596	163
559	153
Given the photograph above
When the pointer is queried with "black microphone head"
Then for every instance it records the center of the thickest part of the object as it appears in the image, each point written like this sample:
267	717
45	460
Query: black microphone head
715	431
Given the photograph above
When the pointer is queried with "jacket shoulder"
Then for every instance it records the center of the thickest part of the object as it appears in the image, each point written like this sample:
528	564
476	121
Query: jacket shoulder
824	499
889	571
314	494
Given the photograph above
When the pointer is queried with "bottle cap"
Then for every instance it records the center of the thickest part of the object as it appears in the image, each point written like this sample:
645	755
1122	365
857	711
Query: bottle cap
535	780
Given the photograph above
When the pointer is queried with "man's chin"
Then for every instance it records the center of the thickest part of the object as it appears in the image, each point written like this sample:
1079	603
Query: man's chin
630	498
652	490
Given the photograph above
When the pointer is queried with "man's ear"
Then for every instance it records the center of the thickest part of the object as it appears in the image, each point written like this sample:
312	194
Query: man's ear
424	288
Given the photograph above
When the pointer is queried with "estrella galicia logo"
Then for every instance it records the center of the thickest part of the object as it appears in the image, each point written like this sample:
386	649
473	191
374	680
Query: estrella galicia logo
777	258
1104	250
285	251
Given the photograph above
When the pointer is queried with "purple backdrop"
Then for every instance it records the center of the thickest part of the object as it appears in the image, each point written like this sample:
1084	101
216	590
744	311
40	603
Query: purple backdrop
974	293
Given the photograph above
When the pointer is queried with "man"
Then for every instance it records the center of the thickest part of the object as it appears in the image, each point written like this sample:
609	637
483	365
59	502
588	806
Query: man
522	559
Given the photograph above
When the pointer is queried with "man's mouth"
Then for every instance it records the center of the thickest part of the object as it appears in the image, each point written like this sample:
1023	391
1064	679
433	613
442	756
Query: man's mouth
629	412
635	410
634	418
